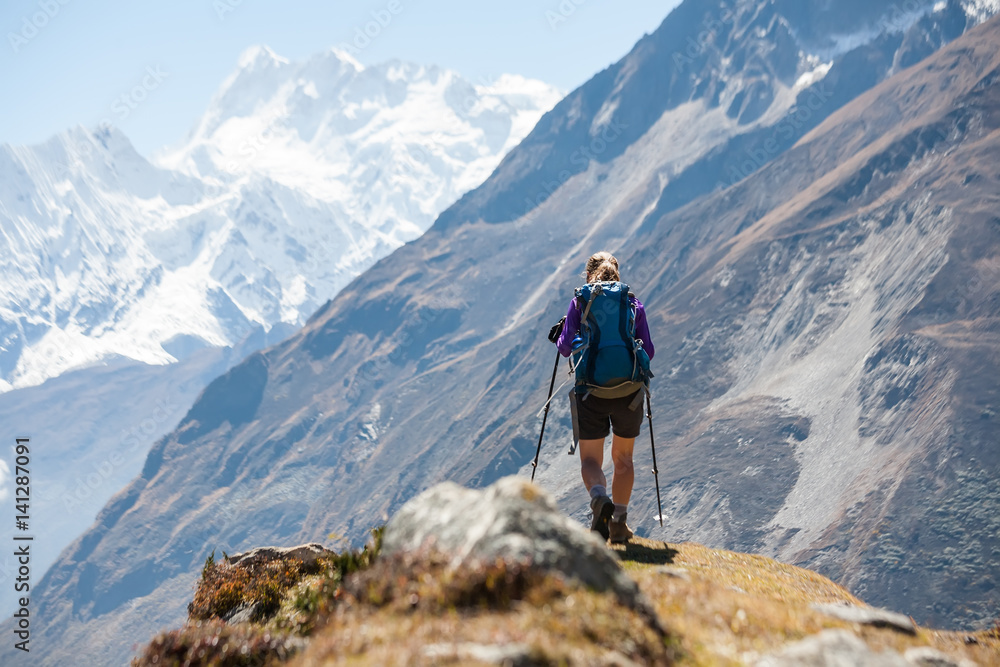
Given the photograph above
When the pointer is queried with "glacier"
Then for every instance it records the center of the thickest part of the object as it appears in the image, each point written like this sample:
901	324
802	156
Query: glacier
297	178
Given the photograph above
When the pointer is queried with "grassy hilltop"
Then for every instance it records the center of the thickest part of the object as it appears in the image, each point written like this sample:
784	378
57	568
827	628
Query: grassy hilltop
712	607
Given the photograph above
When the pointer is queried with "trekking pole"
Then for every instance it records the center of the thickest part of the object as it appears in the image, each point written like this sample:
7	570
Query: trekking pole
656	472
548	402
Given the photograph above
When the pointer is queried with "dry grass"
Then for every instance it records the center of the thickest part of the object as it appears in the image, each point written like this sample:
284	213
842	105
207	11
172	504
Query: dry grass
719	608
418	609
552	623
728	608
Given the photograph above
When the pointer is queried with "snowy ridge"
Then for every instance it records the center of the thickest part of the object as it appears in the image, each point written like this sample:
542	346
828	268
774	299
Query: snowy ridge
899	19
980	10
298	177
376	140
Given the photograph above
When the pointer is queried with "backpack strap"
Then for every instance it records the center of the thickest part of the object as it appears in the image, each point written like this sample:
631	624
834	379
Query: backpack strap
594	290
593	336
624	306
583	323
593	295
639	395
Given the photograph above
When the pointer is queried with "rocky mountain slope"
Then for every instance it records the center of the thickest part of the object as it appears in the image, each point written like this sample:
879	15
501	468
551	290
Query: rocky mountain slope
823	327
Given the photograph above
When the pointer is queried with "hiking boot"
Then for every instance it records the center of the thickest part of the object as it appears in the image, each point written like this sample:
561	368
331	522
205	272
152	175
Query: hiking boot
603	508
619	530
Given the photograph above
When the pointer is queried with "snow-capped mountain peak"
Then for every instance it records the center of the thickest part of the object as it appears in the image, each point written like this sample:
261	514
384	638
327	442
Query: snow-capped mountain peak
259	56
298	177
303	123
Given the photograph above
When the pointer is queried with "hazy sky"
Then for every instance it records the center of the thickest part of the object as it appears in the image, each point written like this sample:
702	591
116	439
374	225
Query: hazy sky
69	62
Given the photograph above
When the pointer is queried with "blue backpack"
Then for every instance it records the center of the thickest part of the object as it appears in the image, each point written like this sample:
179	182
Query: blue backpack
608	359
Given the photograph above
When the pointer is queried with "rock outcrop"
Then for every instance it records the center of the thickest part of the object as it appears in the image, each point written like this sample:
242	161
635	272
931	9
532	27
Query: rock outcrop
307	555
879	618
510	520
830	649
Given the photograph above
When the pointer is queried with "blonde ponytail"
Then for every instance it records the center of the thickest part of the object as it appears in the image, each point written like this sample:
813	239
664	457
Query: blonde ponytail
602	267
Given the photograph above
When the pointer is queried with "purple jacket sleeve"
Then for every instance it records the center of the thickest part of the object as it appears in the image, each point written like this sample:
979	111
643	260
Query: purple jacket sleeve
572	327
642	329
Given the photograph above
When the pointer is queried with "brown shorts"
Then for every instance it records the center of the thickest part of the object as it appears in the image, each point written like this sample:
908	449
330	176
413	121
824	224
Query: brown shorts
599	416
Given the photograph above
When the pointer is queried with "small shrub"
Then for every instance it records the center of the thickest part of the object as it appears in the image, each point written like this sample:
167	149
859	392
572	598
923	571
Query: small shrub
315	599
225	587
354	561
219	645
209	563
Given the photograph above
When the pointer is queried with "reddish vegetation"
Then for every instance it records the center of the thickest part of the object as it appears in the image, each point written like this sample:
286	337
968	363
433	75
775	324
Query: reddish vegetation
225	587
220	645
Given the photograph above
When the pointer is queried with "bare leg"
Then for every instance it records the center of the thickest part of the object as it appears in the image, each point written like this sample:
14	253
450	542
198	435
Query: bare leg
592	463
624	476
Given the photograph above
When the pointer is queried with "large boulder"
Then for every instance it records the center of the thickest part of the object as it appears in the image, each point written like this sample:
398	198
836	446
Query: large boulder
512	520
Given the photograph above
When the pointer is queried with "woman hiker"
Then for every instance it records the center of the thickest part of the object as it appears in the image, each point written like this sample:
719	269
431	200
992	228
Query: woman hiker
597	415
